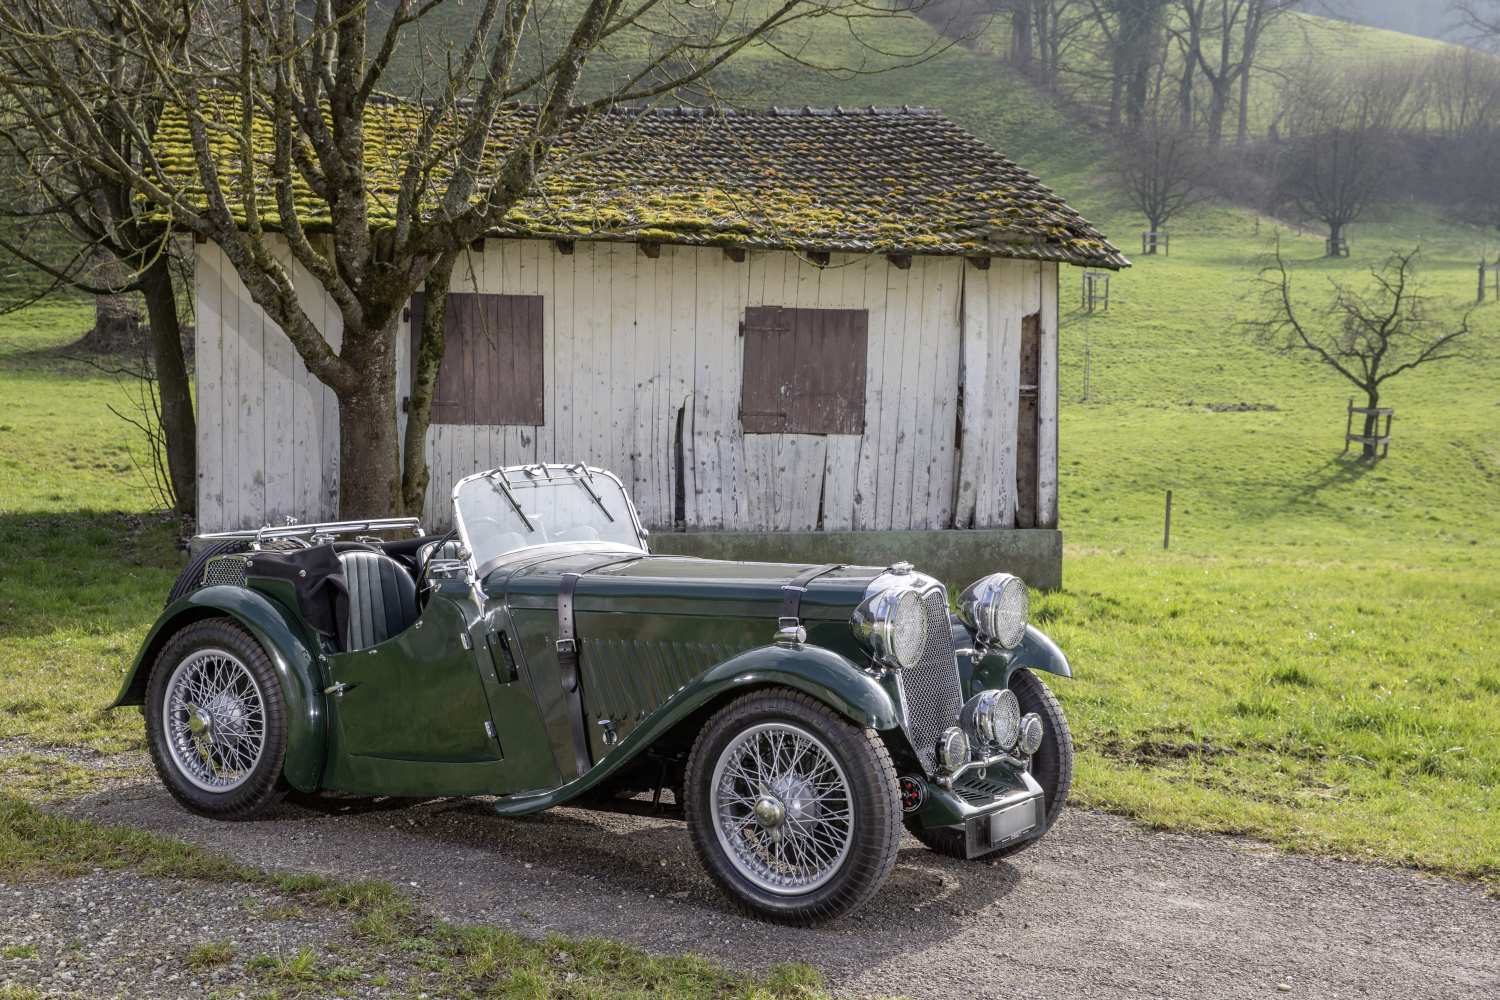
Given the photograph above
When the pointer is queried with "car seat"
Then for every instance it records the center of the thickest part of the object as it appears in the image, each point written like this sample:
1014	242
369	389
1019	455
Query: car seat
382	598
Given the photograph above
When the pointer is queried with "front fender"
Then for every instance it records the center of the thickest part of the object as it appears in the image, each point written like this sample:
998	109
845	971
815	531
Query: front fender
279	634
813	670
1036	652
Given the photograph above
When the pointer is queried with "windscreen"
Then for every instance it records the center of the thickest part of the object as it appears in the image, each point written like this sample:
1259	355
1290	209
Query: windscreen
506	510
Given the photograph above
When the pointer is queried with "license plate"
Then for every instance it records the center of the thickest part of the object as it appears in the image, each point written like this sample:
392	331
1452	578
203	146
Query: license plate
1012	821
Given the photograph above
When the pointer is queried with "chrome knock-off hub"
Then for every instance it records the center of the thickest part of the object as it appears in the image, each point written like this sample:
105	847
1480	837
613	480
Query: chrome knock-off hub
769	812
199	721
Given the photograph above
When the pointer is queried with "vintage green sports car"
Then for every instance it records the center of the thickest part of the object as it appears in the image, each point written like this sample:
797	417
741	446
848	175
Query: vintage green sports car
797	716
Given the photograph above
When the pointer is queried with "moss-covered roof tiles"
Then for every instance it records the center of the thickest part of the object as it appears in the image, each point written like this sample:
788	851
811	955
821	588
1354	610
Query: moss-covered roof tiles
888	180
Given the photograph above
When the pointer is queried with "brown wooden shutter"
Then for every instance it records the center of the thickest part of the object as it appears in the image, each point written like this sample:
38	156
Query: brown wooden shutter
492	360
804	370
1027	464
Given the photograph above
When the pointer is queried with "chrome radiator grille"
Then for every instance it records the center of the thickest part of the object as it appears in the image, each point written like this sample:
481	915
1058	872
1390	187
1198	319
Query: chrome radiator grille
224	570
930	693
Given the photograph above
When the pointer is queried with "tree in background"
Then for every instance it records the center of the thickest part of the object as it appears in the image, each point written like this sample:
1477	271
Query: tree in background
74	216
1479	19
273	97
1367	337
1163	171
1341	149
1460	90
1220	40
1131	32
1044	34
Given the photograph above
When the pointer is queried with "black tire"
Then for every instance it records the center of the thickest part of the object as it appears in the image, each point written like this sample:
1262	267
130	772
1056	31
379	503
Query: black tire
264	786
191	578
875	807
1051	766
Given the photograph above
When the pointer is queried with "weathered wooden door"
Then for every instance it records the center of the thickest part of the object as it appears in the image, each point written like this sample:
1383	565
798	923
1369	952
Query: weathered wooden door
1027	465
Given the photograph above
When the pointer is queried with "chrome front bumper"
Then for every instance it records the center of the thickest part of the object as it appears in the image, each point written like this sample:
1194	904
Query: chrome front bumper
992	812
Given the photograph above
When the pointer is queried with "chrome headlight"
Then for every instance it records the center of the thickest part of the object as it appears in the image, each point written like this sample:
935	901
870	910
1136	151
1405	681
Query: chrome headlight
953	749
893	624
996	608
993	716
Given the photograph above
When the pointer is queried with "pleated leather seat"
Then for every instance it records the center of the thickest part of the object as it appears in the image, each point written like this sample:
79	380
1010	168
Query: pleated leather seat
382	598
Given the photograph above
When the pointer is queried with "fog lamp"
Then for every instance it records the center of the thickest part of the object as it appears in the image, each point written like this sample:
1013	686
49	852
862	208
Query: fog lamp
995	717
1031	734
953	749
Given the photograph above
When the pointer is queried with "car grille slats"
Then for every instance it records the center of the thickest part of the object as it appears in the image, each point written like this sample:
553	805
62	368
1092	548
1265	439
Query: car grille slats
930	692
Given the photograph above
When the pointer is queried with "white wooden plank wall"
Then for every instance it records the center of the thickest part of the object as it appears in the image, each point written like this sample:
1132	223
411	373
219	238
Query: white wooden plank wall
267	429
629	343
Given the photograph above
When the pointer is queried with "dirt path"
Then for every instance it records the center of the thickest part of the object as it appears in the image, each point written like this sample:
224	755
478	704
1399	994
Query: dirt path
1103	908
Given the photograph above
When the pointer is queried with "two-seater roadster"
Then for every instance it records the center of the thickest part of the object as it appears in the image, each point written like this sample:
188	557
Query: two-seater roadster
797	716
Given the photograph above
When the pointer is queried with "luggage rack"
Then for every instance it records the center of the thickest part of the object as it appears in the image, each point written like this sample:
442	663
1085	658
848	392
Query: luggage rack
319	532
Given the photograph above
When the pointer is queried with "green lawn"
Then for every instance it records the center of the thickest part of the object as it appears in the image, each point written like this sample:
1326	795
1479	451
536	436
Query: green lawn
83	570
1315	660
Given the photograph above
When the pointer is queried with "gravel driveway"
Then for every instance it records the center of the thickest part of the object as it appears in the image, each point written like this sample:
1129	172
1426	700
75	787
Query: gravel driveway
1103	908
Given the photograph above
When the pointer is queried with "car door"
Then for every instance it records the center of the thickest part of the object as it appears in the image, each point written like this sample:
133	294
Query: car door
410	715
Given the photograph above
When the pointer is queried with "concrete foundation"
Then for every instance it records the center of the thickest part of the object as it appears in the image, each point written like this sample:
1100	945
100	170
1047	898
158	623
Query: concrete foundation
958	558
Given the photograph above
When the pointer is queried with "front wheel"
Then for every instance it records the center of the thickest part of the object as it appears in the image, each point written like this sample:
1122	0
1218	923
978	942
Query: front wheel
1051	766
793	810
215	721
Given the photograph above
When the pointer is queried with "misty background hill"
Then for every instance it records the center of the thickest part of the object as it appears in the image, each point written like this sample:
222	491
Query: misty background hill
1428	18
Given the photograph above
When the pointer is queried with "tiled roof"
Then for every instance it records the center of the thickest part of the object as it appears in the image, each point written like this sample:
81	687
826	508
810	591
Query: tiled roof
890	180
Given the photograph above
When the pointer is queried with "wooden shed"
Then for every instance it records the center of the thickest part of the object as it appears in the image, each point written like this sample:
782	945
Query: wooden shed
794	334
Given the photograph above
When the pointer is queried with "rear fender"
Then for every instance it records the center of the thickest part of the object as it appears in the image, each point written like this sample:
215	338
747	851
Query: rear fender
813	670
280	634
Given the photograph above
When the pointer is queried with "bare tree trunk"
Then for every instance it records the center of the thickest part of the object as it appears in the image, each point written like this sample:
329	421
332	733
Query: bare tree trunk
1372	421
117	322
425	364
1243	134
1185	95
1335	236
369	450
1218	107
1116	91
173	386
1020	35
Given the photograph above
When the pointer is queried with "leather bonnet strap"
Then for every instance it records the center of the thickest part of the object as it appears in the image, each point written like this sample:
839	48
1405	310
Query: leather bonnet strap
792	591
568	662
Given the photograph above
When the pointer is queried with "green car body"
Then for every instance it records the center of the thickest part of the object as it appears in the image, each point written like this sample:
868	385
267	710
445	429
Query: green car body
471	697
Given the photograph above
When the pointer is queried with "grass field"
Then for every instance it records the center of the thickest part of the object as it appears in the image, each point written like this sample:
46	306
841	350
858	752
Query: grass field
1313	662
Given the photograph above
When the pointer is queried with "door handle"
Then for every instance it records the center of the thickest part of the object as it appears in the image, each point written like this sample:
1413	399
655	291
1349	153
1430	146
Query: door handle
502	659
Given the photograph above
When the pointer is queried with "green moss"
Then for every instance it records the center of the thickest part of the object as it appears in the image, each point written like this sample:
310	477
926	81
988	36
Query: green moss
932	208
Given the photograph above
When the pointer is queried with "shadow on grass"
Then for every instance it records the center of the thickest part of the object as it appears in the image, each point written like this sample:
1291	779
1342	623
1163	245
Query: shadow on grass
1274	500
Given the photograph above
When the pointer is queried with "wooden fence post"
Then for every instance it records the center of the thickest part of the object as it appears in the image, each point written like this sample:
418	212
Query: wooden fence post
1166	530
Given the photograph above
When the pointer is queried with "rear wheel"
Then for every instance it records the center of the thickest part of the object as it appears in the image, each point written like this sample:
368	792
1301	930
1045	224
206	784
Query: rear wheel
216	722
792	809
1051	766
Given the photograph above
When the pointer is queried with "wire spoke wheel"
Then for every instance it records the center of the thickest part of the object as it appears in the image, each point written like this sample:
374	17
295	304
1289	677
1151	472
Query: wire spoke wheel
782	808
215	720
